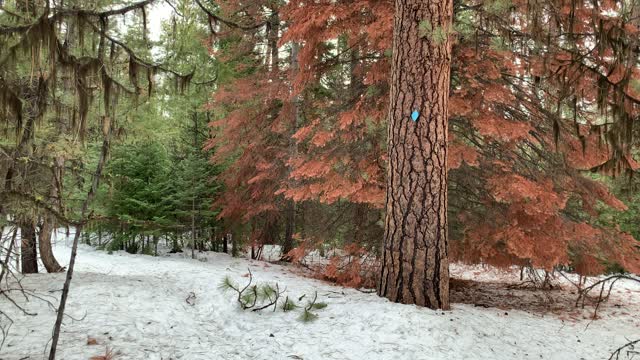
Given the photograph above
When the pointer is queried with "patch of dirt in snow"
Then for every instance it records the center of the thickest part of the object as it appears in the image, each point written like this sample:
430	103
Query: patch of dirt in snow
490	287
505	296
170	307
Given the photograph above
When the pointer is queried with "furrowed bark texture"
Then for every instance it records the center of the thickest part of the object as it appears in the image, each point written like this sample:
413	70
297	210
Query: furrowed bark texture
28	250
415	266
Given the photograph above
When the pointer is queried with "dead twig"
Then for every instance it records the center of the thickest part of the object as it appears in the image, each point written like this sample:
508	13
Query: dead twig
191	299
630	350
606	286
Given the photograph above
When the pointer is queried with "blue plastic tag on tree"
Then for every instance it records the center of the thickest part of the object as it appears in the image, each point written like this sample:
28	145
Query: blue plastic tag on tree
415	115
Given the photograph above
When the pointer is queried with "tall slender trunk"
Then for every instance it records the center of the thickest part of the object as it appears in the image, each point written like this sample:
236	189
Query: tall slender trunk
193	186
28	252
15	240
289	229
290	211
273	34
193	227
155	245
234	246
107	127
360	223
415	267
7	257
225	244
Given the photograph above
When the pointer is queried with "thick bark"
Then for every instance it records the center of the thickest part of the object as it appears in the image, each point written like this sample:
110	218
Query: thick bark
28	251
415	267
44	244
48	224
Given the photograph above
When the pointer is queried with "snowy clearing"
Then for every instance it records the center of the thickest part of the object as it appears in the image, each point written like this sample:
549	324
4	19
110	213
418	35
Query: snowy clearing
136	305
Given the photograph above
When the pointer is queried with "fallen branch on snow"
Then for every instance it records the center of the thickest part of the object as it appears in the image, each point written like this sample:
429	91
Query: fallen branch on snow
630	346
257	297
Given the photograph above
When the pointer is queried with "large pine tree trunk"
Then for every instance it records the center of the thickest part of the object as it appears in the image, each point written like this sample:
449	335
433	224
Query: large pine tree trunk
415	267
44	244
28	252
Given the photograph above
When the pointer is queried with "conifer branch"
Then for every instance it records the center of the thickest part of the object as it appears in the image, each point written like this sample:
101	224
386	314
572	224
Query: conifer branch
229	23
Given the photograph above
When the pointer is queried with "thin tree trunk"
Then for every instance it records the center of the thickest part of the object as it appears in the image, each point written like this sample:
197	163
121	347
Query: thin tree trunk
28	251
273	35
225	244
193	186
193	230
289	229
1	233
415	267
7	258
290	224
16	240
155	245
44	243
87	239
106	145
234	246
212	239
360	223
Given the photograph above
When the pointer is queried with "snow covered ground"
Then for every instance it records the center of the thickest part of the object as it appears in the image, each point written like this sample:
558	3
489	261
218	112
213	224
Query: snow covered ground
136	305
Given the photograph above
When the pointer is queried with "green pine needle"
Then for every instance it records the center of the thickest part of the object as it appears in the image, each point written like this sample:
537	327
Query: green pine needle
227	284
267	292
249	298
320	305
288	305
308	316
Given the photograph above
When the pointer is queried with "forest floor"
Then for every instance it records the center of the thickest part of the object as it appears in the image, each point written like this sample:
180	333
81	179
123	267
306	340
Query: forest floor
171	307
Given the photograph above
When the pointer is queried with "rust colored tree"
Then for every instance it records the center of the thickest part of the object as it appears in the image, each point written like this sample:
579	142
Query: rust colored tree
541	96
